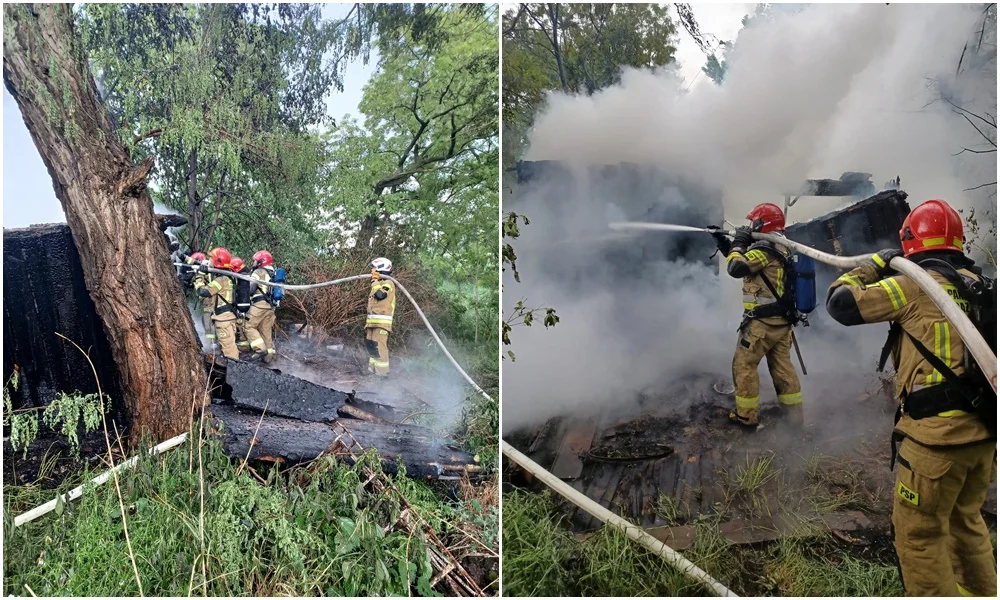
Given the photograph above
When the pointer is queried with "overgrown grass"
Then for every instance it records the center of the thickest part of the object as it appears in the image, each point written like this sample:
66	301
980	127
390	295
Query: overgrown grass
311	530
542	558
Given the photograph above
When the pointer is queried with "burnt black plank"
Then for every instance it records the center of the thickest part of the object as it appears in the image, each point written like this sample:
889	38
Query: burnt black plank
254	386
599	478
292	441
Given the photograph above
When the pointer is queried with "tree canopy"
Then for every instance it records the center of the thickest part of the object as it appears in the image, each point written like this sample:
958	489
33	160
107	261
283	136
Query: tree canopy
421	171
231	102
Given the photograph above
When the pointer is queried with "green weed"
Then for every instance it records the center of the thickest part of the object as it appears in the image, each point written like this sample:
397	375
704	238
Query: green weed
312	530
542	558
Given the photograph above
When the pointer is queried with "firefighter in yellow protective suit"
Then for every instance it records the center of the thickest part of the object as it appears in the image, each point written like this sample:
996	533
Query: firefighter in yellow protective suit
947	458
260	318
221	291
766	330
378	324
198	280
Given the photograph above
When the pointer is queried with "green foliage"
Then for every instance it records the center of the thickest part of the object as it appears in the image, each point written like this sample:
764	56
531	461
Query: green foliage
222	96
521	314
65	414
230	100
23	427
421	172
576	48
542	558
313	530
715	69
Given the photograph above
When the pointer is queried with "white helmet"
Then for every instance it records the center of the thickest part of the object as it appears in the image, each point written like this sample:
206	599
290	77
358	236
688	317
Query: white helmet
382	265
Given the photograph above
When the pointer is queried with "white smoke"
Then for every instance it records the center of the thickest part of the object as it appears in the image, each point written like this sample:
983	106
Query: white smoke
833	88
812	94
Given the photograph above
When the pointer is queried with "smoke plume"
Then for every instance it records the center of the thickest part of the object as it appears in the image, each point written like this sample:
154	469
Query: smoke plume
831	89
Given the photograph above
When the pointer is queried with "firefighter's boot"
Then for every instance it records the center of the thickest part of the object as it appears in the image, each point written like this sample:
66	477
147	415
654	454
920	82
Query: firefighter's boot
745	417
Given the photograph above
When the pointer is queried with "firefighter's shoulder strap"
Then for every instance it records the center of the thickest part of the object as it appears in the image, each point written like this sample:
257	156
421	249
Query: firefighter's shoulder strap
222	306
981	296
787	300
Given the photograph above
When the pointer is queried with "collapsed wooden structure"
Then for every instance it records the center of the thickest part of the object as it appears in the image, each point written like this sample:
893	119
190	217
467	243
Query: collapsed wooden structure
44	293
267	415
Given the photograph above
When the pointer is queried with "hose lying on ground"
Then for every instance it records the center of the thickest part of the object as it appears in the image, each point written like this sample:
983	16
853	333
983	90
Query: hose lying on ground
633	531
323	284
974	341
76	492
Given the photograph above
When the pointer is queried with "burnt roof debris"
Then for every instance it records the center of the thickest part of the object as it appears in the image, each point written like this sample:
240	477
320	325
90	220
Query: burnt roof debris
851	183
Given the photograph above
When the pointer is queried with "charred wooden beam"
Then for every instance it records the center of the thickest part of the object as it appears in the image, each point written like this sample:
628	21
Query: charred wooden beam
250	385
168	221
291	441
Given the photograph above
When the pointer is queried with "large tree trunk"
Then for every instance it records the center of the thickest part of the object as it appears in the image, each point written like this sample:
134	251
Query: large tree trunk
126	264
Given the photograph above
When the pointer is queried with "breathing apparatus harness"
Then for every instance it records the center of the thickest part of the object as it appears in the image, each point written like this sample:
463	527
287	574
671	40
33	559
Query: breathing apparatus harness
784	304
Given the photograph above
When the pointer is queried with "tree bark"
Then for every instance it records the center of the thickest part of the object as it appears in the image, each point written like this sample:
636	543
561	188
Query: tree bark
126	265
553	10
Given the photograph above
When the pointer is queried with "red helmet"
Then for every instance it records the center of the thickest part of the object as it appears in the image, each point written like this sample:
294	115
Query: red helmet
766	218
236	264
220	258
263	258
931	226
198	257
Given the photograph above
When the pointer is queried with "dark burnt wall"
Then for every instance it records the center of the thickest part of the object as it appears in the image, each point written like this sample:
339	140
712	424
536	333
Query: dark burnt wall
864	227
44	293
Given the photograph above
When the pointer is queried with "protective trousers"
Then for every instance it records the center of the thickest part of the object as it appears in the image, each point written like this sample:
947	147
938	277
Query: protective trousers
260	327
941	540
757	340
226	332
206	319
242	341
377	342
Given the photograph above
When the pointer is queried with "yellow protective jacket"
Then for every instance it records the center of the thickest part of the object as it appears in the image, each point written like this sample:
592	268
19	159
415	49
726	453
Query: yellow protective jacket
898	299
260	295
761	257
381	304
222	293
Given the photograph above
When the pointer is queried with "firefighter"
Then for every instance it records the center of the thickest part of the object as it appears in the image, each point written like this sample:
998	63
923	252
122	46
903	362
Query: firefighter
200	280
766	330
378	324
260	322
242	301
948	455
196	259
220	293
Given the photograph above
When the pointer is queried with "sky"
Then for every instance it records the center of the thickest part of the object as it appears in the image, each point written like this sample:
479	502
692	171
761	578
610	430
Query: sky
28	197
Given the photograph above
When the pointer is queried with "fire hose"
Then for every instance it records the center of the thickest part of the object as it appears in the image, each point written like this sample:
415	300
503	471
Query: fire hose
973	340
597	511
323	284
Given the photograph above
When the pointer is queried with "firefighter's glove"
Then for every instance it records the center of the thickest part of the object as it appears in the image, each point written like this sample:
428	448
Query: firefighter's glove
380	295
881	260
204	293
720	239
743	237
375	275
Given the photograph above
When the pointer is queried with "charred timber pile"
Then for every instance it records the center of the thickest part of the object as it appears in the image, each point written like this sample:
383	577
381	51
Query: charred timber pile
303	421
44	293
